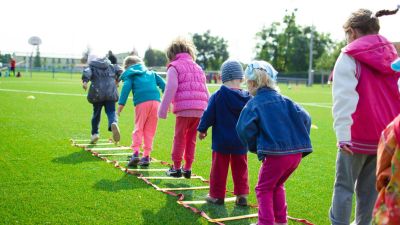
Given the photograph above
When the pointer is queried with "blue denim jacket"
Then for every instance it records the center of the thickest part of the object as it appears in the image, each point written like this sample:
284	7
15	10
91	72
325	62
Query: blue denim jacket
271	124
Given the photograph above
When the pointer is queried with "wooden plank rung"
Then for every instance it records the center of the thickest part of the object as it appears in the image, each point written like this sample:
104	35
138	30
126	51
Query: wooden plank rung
233	218
109	149
110	154
98	144
149	169
184	188
204	201
87	140
169	178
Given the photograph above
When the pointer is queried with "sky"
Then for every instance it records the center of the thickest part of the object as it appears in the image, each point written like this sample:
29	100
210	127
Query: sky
67	27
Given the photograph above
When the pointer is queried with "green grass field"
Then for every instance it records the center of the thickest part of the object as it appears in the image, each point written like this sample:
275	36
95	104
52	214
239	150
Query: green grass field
43	179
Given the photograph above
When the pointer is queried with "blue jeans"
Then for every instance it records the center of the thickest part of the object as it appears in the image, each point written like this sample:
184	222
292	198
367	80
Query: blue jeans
353	173
109	107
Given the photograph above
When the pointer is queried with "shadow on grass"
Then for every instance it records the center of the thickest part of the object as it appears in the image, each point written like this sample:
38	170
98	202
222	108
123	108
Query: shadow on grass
170	214
222	211
74	158
126	182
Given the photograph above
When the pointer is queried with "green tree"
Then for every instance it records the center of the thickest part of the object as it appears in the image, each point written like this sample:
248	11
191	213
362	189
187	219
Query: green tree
327	60
212	50
286	45
154	57
36	60
149	57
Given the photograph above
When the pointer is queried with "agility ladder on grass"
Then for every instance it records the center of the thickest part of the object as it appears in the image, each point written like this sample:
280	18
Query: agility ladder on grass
102	146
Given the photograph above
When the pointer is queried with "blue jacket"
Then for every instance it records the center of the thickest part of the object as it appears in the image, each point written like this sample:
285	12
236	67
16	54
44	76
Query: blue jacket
271	124
143	84
222	114
102	75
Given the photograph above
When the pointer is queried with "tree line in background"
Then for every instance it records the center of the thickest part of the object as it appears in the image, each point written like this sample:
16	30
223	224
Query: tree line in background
286	45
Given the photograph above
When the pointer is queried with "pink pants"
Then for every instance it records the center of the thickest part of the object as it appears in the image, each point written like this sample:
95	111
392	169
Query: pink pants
219	173
270	190
184	141
145	126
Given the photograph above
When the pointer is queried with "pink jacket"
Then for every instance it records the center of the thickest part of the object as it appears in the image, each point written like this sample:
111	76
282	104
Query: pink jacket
378	100
192	93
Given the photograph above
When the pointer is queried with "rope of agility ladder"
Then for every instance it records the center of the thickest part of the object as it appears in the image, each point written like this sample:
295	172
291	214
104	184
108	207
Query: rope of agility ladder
180	196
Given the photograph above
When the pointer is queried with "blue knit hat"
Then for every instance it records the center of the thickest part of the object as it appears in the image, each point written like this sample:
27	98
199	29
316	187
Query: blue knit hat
231	70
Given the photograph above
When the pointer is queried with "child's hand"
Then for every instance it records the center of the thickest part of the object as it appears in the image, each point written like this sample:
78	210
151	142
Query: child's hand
346	149
202	135
84	86
169	108
120	108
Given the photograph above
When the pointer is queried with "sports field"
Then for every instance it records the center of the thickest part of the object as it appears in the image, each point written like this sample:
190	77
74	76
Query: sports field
45	180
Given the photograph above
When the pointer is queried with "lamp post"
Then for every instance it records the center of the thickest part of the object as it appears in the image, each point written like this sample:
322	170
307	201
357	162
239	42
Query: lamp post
34	41
310	69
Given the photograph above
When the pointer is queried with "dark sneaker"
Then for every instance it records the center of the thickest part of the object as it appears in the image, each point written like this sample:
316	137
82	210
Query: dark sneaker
144	161
115	132
187	173
134	160
216	201
174	173
241	201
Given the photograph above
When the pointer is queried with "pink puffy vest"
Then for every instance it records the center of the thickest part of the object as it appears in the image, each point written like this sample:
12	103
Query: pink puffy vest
192	90
379	98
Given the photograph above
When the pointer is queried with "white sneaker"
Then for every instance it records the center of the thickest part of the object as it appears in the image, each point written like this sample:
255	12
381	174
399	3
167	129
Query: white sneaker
115	132
94	138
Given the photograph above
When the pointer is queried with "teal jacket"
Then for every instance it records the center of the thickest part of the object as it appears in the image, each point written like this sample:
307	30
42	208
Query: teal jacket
143	84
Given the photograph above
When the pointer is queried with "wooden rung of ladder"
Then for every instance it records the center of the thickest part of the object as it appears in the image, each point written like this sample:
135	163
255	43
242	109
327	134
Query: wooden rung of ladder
184	188
151	161
169	178
255	215
98	144
204	201
115	154
149	169
88	140
109	149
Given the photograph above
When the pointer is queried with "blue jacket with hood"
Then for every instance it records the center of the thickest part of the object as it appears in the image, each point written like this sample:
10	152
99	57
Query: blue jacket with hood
222	114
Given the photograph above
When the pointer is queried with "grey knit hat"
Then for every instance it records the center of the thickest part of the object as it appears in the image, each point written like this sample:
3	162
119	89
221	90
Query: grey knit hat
231	70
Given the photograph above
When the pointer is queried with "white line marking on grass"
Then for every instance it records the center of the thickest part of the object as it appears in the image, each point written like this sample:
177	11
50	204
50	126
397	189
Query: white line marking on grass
323	105
43	92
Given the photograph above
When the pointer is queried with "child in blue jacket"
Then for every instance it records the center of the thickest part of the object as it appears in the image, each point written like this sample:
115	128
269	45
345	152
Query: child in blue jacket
102	92
222	114
278	130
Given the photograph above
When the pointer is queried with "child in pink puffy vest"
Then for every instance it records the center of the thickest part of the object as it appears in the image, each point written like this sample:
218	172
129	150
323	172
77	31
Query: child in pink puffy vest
186	90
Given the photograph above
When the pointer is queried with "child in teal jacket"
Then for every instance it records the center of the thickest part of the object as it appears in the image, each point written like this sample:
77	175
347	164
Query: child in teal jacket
145	85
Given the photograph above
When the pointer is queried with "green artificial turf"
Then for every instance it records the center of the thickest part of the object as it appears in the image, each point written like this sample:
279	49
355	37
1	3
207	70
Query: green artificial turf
43	179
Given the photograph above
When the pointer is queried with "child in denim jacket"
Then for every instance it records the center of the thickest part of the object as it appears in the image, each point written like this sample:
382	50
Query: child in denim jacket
278	130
